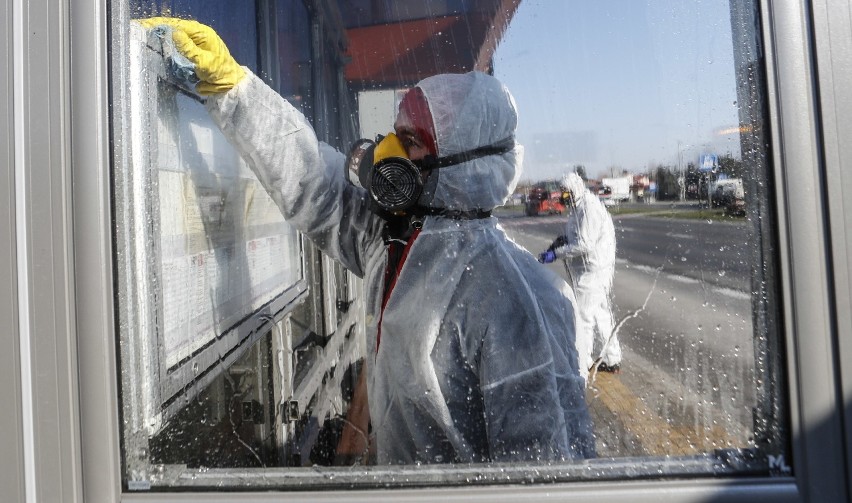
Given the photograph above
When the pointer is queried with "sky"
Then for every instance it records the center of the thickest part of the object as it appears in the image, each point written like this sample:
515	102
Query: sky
619	84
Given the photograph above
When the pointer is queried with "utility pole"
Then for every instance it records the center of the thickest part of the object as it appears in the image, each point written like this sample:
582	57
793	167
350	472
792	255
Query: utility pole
681	175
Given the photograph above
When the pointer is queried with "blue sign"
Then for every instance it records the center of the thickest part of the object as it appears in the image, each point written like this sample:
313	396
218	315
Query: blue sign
707	162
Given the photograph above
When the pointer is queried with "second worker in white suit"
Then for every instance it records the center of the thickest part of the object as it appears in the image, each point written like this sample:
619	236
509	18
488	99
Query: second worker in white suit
588	249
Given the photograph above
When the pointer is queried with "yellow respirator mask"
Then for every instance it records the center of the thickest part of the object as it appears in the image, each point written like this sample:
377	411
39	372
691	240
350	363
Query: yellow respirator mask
394	181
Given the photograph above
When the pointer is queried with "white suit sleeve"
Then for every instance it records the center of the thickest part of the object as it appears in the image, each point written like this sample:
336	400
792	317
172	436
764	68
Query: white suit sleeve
580	237
305	181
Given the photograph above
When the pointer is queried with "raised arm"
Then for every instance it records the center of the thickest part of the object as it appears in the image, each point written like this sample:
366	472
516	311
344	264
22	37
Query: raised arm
304	178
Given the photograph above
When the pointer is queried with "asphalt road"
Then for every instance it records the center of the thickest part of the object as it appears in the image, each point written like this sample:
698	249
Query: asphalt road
713	252
681	289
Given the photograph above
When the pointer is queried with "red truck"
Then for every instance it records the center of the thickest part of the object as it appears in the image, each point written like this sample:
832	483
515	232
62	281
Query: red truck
545	198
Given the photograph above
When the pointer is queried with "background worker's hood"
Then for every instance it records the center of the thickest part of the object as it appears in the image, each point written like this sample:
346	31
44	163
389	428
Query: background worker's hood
575	185
471	110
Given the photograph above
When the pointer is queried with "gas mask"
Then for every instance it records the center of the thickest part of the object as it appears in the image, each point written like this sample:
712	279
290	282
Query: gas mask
568	198
394	181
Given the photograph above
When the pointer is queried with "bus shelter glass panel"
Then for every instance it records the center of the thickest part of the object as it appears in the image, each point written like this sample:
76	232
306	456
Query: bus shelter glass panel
646	192
206	263
660	109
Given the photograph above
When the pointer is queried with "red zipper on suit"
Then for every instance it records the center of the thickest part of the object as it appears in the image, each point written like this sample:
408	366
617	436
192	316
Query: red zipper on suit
391	274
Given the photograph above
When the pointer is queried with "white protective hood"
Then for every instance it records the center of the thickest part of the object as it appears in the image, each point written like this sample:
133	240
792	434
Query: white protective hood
472	110
575	185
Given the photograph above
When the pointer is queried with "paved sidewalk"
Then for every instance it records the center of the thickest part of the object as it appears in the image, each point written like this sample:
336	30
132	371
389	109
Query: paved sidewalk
626	426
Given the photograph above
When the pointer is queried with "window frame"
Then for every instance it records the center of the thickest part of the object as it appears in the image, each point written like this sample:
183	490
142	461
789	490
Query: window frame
68	412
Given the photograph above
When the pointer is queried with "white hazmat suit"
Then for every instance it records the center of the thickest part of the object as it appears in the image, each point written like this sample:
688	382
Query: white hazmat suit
476	360
588	250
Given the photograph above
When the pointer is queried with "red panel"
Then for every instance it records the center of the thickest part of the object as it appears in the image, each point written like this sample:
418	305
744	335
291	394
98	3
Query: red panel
400	54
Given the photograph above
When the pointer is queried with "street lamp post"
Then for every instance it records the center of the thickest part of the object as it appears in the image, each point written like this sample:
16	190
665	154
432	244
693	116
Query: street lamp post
681	175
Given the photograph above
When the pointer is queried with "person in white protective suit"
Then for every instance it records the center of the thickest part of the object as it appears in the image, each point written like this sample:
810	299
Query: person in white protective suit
588	250
471	353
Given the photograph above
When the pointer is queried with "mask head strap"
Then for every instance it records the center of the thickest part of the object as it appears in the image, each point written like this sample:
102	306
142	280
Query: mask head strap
474	214
501	147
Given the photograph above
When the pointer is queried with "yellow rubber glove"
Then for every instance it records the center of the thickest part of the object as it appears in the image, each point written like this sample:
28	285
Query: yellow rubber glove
215	67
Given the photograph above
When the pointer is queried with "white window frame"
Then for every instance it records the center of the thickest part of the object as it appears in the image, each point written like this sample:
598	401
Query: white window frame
60	421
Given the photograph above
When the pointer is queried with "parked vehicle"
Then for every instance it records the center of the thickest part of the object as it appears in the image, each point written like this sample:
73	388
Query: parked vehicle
615	190
545	198
729	194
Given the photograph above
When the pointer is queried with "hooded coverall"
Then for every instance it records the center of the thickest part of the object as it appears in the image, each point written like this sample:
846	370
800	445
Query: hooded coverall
588	250
476	360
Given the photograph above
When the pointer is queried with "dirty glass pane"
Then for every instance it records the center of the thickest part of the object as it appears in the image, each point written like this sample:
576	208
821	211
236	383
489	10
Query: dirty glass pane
658	107
657	111
207	263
